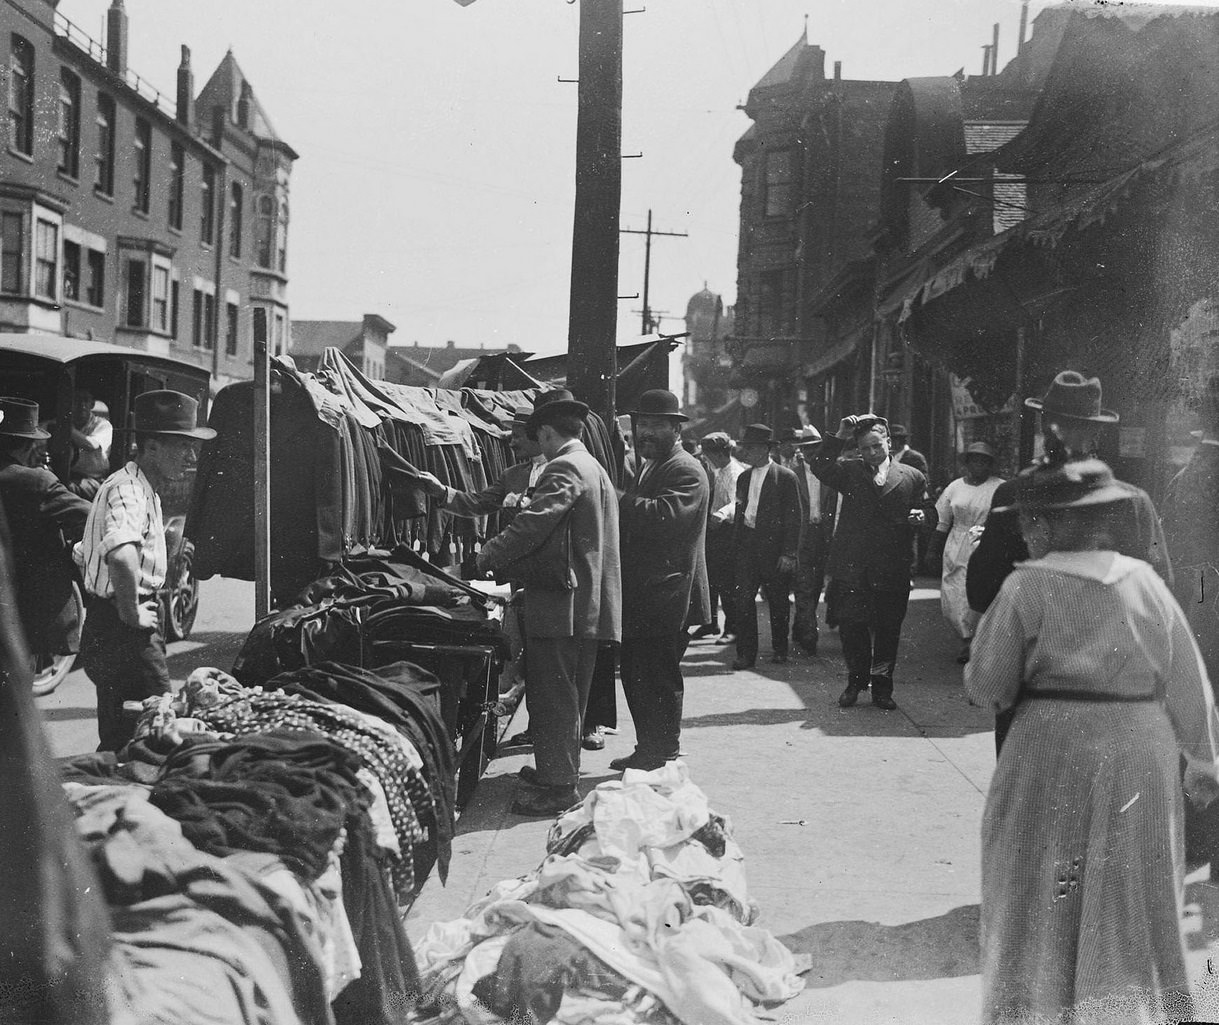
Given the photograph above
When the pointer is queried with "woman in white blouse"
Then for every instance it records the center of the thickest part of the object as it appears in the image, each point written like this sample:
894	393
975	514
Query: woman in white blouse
1082	854
962	509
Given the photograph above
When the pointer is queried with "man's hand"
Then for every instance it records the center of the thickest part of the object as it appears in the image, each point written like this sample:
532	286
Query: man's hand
787	565
432	485
145	616
846	428
916	517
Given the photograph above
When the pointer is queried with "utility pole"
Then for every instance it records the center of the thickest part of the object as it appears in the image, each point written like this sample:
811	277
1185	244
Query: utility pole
647	265
592	355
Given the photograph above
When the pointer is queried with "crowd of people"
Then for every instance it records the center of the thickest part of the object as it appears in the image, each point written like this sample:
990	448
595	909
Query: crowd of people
1094	656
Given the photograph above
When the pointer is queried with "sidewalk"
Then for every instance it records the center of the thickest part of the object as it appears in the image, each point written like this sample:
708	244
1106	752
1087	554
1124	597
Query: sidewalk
880	884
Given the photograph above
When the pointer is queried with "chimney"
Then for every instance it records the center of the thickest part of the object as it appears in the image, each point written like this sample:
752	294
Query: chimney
994	52
186	90
243	105
219	117
1024	25
116	38
837	78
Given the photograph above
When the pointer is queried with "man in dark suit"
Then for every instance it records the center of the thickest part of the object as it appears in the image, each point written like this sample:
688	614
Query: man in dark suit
723	471
903	453
662	520
818	504
870	553
1072	419
44	520
766	535
1191	527
564	549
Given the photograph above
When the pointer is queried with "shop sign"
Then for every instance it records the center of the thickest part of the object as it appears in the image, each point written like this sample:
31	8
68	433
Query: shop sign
964	407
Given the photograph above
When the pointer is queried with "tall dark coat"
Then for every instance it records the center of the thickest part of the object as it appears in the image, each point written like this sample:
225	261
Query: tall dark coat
871	548
776	529
42	515
663	525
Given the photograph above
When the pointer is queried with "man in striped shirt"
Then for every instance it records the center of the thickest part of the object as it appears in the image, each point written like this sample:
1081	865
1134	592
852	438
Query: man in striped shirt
123	561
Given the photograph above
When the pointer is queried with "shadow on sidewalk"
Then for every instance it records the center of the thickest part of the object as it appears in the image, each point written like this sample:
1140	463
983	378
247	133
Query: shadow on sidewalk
857	951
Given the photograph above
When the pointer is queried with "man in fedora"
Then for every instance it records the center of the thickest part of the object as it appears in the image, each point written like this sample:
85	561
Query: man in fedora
870	553
818	503
662	519
1072	419
723	470
766	536
563	547
44	520
123	561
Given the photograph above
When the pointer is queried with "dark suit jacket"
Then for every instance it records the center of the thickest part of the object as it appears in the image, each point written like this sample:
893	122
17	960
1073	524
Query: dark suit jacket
42	514
776	531
663	525
828	506
1135	526
915	459
871	548
573	487
471	504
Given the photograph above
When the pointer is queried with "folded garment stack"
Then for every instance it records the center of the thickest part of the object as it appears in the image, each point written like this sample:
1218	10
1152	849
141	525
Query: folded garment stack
639	913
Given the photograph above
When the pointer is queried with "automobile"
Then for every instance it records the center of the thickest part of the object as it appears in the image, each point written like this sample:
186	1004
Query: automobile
48	369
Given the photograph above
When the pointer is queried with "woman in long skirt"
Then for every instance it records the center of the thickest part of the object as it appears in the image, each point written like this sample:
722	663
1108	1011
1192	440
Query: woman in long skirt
962	509
1082	859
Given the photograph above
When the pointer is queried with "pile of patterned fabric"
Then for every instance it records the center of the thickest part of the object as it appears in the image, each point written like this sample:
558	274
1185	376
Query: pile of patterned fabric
639	913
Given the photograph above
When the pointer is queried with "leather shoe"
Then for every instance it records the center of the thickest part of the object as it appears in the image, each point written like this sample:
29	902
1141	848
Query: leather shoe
547	804
884	701
635	761
594	739
725	638
522	739
706	630
743	663
529	774
849	696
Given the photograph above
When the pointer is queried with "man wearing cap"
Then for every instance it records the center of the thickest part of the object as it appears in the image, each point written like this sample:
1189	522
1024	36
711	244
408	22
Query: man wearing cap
818	504
662	519
870	553
44	520
123	561
766	535
563	548
1072	419
723	470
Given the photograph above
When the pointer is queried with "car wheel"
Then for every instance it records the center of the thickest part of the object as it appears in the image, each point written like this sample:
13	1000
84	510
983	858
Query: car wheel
181	595
51	670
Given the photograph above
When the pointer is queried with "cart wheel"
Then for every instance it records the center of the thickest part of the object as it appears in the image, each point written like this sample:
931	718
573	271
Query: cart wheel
181	595
51	670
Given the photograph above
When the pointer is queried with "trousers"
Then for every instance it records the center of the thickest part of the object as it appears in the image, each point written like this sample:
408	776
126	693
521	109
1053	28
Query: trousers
124	663
870	625
655	690
559	676
776	589
810	579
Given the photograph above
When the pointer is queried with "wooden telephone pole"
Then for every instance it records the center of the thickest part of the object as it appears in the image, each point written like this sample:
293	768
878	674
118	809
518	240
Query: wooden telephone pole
592	357
647	265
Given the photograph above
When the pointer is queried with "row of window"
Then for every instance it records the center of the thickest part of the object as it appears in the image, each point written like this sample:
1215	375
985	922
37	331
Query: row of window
153	300
68	140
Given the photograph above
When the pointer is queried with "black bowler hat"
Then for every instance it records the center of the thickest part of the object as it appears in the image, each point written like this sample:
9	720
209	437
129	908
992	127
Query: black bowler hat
19	419
757	434
659	402
169	412
1074	396
558	402
1068	486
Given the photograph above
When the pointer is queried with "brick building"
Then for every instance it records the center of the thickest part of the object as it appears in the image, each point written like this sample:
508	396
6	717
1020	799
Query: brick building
132	218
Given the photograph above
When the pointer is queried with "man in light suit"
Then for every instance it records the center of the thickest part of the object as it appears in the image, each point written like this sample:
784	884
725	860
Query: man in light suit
818	504
565	546
766	535
870	553
663	520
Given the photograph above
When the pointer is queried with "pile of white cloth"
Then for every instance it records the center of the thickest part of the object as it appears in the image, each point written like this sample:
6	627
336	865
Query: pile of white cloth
645	886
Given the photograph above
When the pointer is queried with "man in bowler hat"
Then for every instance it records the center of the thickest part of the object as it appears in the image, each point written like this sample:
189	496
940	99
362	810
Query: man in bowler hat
1072	419
564	548
818	504
870	553
124	561
766	535
662	518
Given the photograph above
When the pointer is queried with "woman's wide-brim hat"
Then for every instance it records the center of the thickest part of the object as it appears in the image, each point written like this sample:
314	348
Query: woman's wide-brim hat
1075	397
980	448
168	412
19	419
757	434
1075	485
660	402
557	402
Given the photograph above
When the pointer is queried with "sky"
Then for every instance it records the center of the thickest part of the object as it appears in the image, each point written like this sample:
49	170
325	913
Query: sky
437	145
